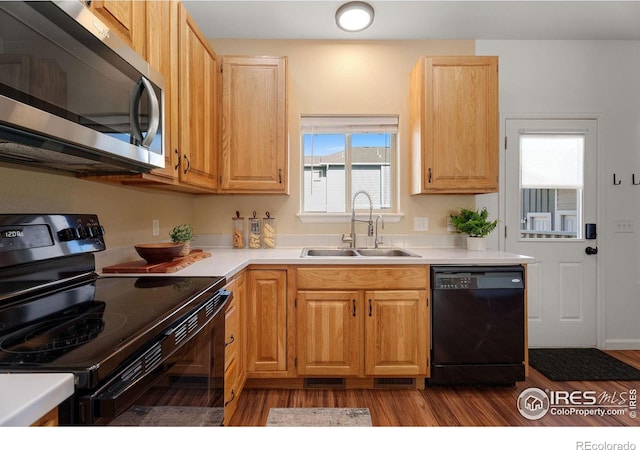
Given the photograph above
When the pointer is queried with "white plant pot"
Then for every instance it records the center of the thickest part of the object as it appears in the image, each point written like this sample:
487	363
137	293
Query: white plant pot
476	243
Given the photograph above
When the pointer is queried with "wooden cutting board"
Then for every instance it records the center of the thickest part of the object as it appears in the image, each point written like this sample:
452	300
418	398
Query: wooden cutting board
141	266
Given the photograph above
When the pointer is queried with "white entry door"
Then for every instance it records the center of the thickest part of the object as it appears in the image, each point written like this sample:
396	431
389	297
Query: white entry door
550	194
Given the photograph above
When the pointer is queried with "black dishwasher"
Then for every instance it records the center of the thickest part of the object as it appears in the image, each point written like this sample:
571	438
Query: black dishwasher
477	325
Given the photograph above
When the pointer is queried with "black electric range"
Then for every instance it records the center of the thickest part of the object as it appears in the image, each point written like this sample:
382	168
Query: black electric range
116	334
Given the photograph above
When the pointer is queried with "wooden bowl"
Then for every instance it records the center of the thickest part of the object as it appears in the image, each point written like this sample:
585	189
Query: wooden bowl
159	252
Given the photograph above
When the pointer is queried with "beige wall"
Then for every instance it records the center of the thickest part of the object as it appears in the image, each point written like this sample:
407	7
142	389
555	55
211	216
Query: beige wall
126	213
326	77
338	77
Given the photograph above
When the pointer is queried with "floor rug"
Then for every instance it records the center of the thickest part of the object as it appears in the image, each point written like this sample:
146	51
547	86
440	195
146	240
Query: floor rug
580	364
319	417
170	416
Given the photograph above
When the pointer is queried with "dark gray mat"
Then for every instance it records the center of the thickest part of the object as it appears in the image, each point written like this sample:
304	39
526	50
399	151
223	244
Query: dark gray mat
580	364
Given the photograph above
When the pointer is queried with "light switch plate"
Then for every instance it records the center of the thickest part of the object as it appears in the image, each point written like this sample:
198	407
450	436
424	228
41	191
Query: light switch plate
420	224
624	226
155	225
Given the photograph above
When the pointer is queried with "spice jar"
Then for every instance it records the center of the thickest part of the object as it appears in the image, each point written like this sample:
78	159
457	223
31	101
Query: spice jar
238	231
268	231
255	232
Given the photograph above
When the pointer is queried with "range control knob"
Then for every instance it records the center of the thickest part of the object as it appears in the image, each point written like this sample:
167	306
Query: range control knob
68	234
96	230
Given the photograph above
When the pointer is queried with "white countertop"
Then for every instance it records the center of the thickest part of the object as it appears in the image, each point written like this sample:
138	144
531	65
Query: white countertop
227	261
24	398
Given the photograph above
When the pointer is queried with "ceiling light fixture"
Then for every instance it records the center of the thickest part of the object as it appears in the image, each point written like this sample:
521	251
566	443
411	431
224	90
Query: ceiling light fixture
354	16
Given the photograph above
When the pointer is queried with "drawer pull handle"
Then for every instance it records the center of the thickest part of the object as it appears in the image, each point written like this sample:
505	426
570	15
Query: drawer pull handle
231	341
353	301
233	396
370	307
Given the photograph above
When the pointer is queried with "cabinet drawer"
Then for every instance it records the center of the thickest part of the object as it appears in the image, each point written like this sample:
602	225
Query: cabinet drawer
349	277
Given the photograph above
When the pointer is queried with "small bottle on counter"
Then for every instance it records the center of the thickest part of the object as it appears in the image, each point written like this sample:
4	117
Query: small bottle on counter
238	231
255	233
268	231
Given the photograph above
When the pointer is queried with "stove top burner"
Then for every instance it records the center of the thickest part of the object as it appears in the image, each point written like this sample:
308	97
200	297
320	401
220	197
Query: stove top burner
46	341
94	323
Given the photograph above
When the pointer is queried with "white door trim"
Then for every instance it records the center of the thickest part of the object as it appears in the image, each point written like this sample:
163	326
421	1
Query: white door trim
600	119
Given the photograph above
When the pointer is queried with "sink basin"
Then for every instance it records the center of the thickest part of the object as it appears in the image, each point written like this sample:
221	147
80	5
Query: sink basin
360	252
386	252
328	252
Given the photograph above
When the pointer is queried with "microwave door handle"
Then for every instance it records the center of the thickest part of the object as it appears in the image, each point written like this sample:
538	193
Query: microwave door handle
154	121
136	132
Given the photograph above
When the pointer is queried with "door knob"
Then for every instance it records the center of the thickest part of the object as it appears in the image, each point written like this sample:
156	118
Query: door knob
591	250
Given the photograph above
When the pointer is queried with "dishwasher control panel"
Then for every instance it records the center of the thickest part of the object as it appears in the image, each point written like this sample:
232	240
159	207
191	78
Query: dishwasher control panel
478	277
458	281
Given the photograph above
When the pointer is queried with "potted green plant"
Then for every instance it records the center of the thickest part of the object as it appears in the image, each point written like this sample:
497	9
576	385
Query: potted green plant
182	233
475	225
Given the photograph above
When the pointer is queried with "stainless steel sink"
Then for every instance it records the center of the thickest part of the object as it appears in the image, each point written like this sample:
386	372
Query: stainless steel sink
359	252
328	252
391	252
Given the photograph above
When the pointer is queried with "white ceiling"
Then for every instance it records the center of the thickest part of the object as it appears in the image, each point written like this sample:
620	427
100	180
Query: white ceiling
394	19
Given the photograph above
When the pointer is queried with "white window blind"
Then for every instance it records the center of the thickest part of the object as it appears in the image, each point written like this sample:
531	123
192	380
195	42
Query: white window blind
552	161
348	124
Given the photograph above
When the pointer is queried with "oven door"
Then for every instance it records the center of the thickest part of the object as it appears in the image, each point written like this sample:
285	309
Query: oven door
186	387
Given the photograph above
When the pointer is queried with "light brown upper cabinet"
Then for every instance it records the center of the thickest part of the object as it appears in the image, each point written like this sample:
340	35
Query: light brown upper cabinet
175	48
162	55
126	18
454	124
198	78
254	141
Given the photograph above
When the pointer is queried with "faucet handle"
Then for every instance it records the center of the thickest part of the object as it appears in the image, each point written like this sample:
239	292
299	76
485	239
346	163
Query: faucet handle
346	238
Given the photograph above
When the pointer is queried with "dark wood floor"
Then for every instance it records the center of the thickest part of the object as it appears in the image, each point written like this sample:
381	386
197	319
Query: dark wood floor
439	406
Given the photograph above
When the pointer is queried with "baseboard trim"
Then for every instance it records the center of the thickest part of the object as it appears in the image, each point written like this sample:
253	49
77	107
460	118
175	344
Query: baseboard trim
622	344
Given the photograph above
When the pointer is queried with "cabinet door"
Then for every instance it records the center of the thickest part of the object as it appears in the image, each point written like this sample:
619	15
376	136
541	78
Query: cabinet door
396	333
162	55
198	103
455	125
328	340
125	18
254	125
234	374
266	321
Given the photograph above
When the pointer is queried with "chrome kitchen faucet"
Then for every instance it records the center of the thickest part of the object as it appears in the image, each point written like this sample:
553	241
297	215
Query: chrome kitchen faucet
352	236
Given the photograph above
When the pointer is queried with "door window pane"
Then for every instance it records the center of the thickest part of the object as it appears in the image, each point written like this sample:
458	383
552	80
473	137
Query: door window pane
551	186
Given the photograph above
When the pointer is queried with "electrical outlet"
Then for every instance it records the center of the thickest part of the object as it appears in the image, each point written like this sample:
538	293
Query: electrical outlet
624	226
420	224
155	225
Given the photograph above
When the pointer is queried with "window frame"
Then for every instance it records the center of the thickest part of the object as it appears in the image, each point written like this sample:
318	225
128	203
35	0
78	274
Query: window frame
348	126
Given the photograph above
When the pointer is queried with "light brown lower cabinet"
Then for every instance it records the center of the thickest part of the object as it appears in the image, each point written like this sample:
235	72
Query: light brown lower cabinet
234	373
50	419
359	331
266	322
328	338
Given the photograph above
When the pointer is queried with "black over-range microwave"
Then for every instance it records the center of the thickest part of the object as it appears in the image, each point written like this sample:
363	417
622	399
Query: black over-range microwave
73	95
